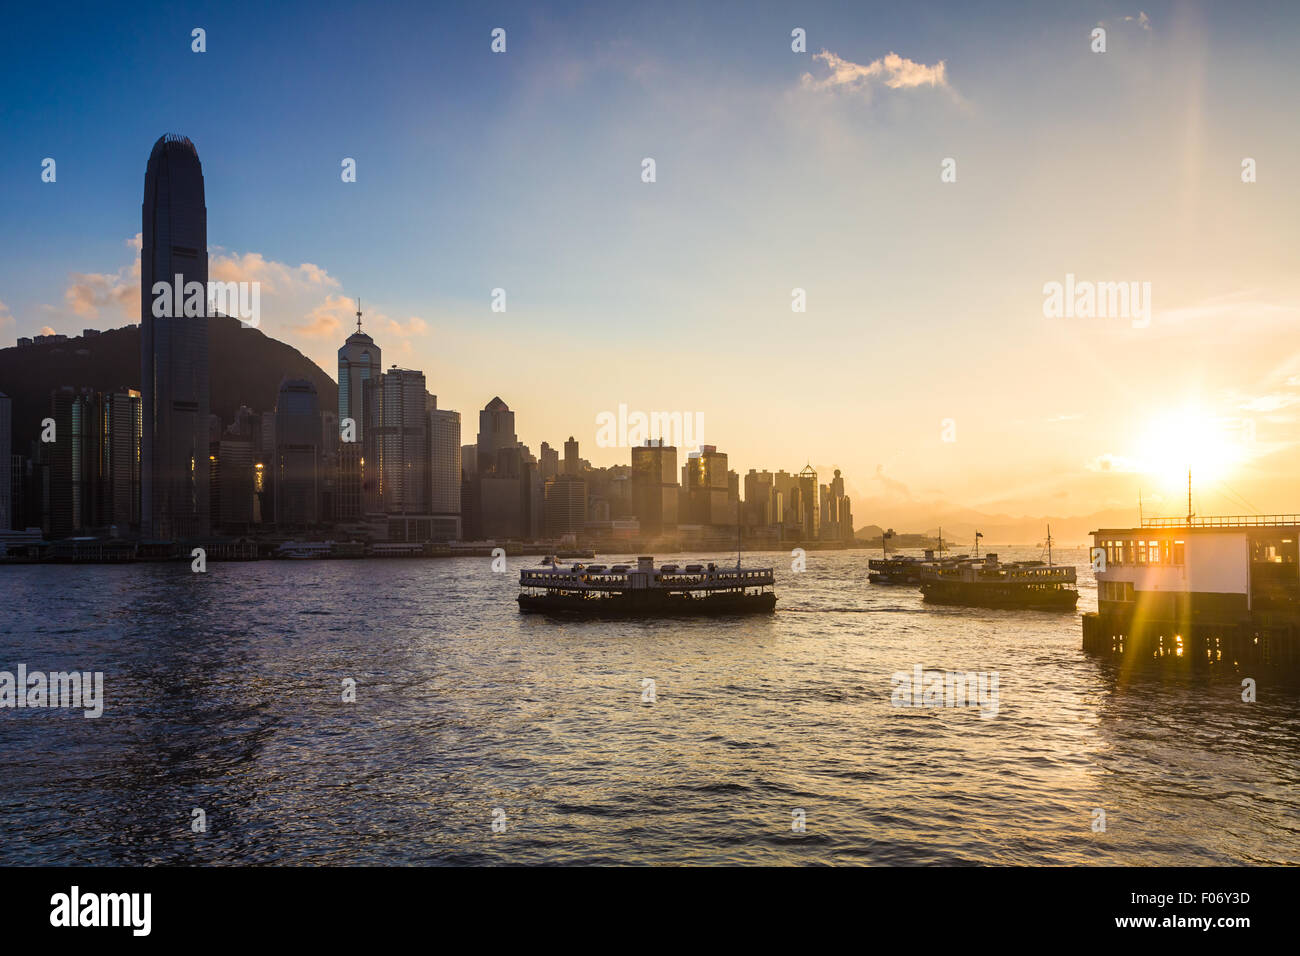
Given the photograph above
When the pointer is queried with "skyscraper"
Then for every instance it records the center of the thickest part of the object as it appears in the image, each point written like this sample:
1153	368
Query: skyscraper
359	365
548	462
566	505
444	473
397	442
837	517
572	463
118	451
811	509
174	351
496	430
708	487
6	463
297	454
654	486
360	361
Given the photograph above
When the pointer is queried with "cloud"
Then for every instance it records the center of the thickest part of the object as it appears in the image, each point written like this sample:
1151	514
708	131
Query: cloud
303	305
328	319
1269	403
88	292
1141	20
894	71
1114	464
890	485
6	317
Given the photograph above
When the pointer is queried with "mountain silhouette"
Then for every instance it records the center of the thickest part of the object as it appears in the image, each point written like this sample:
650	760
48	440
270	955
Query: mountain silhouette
245	368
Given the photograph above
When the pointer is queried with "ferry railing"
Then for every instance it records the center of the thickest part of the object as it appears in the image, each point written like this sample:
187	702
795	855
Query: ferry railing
1225	521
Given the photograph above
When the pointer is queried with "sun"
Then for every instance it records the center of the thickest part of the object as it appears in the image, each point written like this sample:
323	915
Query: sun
1210	446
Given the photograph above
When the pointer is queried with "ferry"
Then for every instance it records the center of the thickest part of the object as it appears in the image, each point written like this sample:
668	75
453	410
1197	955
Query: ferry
1033	585
644	590
304	550
908	569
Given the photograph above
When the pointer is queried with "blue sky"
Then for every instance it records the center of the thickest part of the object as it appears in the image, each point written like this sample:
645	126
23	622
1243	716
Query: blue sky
522	171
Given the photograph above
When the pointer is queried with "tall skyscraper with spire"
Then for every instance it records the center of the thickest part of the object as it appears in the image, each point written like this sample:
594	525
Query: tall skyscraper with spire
174	351
360	366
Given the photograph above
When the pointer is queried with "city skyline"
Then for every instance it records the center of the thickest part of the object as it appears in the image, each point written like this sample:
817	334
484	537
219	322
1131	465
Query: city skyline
921	294
747	434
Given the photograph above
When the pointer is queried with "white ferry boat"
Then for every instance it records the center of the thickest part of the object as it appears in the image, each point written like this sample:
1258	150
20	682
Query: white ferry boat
622	590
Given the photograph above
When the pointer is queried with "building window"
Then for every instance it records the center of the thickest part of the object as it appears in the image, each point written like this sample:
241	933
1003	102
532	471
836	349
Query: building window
1116	591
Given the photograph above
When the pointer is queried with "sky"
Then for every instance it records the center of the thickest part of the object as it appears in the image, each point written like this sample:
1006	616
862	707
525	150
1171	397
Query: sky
924	365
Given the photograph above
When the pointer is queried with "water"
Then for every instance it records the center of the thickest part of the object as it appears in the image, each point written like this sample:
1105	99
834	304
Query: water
223	692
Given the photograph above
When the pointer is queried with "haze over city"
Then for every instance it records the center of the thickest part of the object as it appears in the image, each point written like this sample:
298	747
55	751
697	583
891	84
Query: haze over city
924	366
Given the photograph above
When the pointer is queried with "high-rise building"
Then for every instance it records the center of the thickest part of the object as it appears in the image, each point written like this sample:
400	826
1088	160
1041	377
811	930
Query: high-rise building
759	503
444	473
572	463
360	365
654	487
235	494
548	462
174	351
566	505
6	463
64	456
397	449
708	488
496	430
810	510
837	517
297	454
360	361
120	426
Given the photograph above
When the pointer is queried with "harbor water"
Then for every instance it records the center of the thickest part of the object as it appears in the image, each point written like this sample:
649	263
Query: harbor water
480	735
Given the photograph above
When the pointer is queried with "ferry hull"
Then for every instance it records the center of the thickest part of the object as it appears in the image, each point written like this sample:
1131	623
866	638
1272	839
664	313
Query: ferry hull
648	603
999	596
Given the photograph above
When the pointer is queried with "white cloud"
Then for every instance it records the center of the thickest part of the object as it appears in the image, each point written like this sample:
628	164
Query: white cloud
894	71
302	305
1114	464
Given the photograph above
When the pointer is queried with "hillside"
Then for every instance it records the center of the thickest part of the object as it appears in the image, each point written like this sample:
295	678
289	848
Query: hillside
246	369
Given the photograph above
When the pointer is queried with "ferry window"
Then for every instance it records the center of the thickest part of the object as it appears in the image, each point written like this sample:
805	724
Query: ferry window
1128	551
1164	552
1180	552
1142	552
1153	552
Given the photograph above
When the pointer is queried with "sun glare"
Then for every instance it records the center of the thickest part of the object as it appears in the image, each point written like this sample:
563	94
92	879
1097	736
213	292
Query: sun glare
1211	447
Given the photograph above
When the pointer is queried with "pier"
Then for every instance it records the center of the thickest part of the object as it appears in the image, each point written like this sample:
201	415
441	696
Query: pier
1199	590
